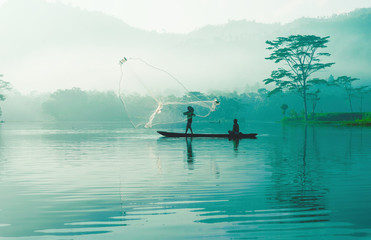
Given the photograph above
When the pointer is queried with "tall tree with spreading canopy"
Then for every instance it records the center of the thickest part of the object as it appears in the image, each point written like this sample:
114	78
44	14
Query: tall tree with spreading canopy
346	82
313	97
301	56
361	92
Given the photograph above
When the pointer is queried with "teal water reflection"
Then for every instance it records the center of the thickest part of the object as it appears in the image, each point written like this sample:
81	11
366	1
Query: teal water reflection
108	181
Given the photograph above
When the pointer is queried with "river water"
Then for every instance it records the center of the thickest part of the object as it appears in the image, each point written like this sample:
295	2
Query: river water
109	181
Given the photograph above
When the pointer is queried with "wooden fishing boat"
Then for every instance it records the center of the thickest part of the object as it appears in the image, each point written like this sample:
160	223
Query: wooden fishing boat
209	135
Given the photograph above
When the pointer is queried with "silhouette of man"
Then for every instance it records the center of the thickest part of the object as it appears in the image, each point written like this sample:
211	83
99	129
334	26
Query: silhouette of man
190	114
236	128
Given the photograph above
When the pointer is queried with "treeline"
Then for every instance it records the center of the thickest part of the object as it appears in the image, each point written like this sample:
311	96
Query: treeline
79	105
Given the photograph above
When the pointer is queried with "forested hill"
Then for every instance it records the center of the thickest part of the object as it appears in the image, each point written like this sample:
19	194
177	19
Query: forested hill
349	39
48	46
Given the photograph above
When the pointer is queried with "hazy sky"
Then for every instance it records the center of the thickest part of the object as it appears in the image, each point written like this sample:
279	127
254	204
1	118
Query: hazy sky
183	16
187	15
34	70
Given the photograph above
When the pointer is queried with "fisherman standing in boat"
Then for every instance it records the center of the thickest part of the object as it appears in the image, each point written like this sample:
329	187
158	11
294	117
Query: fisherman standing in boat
190	114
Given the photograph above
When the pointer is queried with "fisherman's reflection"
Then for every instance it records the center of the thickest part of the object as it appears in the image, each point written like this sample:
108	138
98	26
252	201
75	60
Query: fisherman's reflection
190	155
236	142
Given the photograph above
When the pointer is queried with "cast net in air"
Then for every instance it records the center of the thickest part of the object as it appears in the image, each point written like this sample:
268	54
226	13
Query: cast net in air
152	96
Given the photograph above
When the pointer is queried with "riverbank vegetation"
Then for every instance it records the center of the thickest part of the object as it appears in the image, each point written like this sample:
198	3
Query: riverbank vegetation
299	58
253	104
339	118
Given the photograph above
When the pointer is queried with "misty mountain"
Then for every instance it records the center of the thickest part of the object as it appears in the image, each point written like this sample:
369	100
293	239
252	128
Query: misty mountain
45	46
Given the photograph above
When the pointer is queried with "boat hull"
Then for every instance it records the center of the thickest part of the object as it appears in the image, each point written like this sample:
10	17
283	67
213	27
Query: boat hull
208	135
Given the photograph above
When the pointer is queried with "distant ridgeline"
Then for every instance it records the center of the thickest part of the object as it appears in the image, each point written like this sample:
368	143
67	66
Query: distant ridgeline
231	54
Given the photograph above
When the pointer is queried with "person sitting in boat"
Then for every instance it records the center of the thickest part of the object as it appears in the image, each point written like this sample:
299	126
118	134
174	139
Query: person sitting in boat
190	114
236	128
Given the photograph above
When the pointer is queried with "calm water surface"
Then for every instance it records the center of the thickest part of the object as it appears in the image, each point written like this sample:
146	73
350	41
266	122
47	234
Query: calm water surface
109	181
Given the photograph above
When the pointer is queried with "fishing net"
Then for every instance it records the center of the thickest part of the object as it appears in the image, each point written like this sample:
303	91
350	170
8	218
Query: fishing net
152	96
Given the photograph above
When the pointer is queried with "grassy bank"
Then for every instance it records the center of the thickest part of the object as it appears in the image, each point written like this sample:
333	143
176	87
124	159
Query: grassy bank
347	119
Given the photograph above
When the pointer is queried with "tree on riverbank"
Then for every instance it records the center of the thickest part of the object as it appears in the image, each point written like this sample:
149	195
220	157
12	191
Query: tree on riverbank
345	82
284	107
300	53
361	92
314	98
3	86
